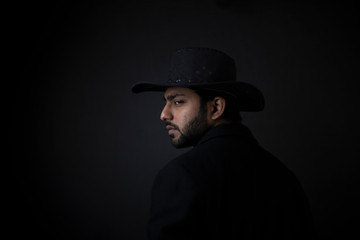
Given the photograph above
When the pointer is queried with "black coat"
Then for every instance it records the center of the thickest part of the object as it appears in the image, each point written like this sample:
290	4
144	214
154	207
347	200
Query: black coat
228	187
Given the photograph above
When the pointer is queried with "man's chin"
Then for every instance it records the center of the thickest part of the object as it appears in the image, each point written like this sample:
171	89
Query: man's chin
180	142
175	142
177	145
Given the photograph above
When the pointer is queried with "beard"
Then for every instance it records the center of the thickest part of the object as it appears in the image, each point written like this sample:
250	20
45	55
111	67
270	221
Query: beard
192	132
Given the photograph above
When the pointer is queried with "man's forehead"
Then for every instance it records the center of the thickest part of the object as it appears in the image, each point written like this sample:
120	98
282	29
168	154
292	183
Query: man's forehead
178	91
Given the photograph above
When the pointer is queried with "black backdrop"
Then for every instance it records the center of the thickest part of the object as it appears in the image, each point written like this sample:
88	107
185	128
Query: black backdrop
84	149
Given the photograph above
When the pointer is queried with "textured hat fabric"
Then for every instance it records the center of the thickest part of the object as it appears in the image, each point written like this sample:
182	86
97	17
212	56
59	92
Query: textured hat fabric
207	69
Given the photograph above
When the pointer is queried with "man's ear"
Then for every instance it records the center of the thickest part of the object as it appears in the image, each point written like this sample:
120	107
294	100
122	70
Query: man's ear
218	105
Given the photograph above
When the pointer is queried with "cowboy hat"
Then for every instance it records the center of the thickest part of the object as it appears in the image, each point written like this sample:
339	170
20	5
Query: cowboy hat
208	70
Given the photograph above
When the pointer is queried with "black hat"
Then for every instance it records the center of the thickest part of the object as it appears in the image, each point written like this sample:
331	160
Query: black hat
209	70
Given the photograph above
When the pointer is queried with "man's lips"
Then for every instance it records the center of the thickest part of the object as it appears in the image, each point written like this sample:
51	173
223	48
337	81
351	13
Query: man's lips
171	128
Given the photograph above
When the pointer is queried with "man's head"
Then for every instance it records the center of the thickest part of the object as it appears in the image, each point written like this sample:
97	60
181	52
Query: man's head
202	92
189	115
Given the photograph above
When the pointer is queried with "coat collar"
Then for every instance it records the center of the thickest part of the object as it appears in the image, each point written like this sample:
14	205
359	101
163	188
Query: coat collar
230	129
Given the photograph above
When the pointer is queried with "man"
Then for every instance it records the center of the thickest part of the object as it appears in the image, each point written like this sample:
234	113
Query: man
226	186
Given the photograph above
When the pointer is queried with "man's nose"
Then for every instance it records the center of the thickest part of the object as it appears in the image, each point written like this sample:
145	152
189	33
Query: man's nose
166	114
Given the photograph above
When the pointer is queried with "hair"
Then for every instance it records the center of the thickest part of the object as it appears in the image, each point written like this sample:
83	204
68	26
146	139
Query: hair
231	111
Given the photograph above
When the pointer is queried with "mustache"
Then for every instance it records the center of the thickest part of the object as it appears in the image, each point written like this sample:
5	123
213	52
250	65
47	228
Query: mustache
172	125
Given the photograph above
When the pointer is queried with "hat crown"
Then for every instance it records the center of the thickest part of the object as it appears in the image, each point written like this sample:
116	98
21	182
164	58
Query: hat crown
201	65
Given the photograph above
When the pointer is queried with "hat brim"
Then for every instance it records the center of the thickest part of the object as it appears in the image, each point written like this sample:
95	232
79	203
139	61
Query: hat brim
248	97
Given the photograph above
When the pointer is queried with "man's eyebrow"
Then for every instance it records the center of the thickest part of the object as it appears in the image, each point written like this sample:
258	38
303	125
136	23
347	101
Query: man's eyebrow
171	97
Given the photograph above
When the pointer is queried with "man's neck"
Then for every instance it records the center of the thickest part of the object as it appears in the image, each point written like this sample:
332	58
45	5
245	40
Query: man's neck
221	121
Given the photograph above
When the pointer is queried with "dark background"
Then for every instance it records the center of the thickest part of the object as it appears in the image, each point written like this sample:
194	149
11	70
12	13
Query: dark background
84	150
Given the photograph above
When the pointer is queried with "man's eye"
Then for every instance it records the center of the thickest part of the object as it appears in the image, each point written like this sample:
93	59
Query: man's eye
178	102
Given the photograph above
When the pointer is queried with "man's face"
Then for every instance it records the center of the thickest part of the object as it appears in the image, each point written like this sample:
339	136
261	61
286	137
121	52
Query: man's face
186	119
